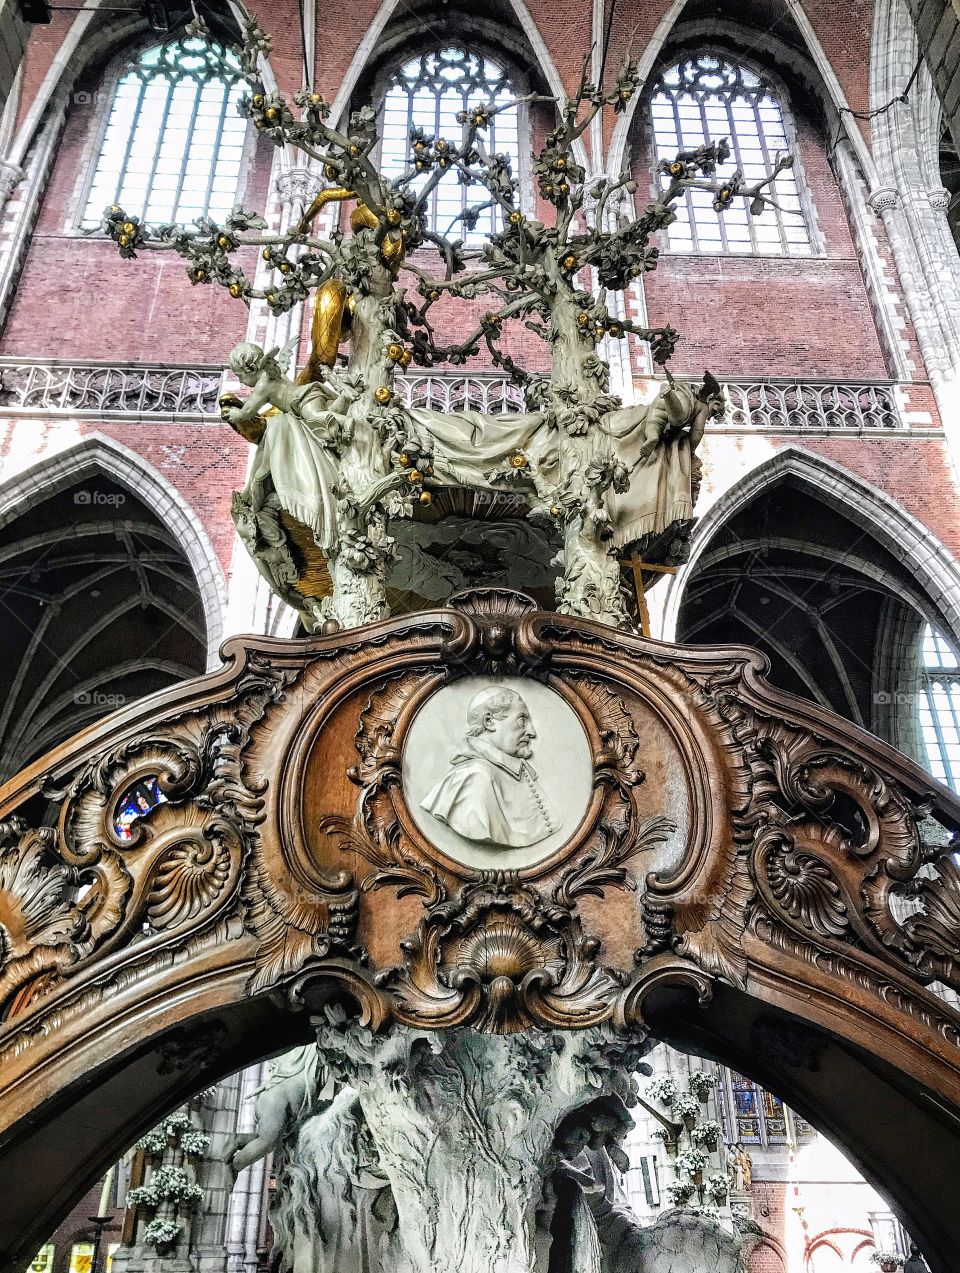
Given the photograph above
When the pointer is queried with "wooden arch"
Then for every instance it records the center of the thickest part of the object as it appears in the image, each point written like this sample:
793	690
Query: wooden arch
749	877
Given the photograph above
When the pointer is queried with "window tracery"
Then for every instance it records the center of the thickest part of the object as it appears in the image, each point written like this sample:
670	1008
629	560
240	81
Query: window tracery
428	92
940	707
173	142
706	98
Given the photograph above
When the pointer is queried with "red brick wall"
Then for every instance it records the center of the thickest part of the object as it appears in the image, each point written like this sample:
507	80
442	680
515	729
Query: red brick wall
773	316
141	310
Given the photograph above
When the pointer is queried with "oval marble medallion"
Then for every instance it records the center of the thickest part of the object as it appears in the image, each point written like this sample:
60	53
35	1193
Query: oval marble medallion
497	772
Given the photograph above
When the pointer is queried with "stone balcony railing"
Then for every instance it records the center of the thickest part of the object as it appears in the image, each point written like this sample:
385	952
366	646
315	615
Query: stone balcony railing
812	405
102	391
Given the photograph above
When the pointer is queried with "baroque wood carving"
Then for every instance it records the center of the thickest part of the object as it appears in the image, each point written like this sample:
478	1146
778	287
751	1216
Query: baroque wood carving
727	833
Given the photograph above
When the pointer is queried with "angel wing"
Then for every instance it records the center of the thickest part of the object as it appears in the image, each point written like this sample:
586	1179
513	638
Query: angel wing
277	362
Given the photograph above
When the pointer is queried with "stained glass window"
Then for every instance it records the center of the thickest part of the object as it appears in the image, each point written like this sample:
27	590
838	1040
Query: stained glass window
707	98
81	1257
42	1262
428	92
136	802
755	1116
174	140
940	708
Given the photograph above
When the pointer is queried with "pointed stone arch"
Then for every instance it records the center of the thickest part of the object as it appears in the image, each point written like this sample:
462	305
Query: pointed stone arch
84	44
371	39
816	71
855	168
935	569
96	452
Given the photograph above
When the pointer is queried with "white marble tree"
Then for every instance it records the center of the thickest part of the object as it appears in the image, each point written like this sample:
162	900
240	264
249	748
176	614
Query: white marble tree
343	457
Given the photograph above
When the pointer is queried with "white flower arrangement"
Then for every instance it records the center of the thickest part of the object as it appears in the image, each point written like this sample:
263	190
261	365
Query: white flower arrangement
194	1143
706	1133
160	1232
662	1133
691	1161
686	1106
663	1090
174	1127
718	1186
167	1182
701	1084
882	1257
679	1192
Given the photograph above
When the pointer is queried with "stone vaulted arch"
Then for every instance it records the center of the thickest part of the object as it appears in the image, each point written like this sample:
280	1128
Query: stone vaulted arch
97	453
745	875
934	568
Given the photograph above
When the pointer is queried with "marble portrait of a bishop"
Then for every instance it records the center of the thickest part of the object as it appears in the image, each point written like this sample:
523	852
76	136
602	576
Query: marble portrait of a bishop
491	793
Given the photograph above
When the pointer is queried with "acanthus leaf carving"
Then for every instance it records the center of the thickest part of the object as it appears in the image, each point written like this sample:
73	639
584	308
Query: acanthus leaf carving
617	840
835	872
42	928
294	925
935	929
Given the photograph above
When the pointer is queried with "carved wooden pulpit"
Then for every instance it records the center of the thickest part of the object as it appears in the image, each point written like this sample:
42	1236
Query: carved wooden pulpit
482	816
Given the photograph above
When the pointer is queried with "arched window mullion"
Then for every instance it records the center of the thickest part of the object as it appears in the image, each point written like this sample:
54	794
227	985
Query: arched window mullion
191	129
768	163
221	120
171	93
429	91
128	149
705	125
678	126
170	114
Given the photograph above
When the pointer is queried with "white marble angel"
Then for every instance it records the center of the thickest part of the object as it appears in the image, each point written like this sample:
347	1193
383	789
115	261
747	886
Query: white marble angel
295	458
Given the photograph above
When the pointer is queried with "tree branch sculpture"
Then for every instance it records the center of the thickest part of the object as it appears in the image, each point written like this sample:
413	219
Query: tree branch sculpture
343	457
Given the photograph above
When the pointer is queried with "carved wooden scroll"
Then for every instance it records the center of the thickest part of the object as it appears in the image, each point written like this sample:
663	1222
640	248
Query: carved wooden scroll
674	819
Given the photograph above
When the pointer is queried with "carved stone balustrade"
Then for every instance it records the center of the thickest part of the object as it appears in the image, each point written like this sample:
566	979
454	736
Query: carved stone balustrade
103	391
492	394
814	405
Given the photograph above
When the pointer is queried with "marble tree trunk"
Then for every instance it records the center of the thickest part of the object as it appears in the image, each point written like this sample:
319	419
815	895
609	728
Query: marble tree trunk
457	1129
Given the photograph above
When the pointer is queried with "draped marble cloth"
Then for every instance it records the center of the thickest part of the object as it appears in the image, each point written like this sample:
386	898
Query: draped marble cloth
293	462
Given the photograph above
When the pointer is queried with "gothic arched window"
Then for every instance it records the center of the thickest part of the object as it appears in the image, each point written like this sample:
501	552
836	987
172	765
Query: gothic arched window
940	708
706	98
428	92
173	141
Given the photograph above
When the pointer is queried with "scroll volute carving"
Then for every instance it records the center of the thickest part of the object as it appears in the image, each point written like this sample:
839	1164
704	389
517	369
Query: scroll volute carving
75	893
722	824
851	857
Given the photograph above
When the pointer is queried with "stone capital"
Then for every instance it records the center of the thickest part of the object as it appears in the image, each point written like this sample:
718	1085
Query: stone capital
614	203
298	184
884	198
939	198
10	177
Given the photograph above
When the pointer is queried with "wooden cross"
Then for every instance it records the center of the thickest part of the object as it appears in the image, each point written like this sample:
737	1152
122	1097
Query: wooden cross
638	566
